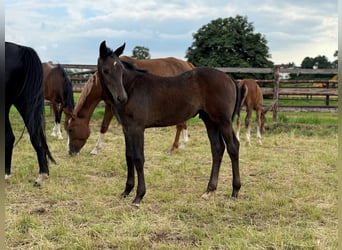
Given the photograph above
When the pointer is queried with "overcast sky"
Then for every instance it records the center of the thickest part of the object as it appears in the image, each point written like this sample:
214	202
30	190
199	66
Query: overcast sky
67	31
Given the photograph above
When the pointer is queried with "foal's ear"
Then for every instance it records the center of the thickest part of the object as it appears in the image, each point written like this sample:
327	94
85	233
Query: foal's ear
103	49
120	50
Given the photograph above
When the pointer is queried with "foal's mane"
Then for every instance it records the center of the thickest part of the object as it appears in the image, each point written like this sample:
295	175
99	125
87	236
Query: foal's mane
93	80
132	67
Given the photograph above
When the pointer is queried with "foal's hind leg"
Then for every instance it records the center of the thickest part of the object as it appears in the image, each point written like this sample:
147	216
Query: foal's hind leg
217	150
233	147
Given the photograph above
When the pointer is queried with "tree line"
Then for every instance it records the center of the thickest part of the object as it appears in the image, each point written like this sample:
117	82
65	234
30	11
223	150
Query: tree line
232	42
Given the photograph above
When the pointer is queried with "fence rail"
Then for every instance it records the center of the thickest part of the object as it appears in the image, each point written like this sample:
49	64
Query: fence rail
325	88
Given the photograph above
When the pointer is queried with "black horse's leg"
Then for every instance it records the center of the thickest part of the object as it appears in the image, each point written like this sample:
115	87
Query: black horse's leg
233	147
36	135
8	146
217	150
135	152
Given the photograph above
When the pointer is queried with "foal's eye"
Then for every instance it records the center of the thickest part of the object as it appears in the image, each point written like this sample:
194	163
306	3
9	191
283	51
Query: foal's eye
105	71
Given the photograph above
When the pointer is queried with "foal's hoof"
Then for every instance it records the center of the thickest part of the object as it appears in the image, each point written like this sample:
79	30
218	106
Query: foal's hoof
207	195
7	176
124	195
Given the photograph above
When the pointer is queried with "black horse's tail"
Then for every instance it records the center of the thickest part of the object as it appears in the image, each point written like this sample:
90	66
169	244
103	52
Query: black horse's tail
68	96
241	93
33	93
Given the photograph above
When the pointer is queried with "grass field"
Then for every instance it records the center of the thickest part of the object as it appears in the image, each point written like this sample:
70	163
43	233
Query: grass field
288	198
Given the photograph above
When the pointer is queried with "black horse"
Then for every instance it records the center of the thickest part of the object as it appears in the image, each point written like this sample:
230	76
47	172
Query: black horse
24	90
141	100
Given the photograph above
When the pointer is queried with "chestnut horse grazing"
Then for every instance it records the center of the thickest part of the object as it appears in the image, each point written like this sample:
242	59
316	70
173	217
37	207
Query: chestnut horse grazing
79	130
252	99
58	90
141	100
24	90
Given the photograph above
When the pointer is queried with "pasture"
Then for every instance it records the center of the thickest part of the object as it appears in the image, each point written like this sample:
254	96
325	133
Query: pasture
288	198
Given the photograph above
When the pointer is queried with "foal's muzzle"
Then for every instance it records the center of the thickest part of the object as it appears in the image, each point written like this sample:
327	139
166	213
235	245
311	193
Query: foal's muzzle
121	99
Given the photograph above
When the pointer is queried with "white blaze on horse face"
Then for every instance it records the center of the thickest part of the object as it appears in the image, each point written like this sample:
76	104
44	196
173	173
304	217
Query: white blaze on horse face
114	64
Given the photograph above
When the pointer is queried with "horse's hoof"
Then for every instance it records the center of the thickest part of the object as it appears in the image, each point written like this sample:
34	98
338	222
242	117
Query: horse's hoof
207	195
93	152
36	184
124	195
235	194
7	176
135	205
41	178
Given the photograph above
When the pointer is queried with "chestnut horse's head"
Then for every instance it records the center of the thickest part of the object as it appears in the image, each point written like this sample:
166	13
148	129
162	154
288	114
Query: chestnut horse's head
78	133
110	70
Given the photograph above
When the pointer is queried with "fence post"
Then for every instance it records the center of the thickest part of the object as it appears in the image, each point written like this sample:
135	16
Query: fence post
276	92
327	96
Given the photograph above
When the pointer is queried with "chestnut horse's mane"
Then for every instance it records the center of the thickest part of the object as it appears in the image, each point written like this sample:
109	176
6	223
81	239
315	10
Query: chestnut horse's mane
93	80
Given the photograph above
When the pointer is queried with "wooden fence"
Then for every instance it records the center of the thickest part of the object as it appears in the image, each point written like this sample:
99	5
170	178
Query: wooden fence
325	88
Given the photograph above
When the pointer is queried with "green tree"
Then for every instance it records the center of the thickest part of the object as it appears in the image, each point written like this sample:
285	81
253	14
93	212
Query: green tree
335	62
229	42
140	52
319	62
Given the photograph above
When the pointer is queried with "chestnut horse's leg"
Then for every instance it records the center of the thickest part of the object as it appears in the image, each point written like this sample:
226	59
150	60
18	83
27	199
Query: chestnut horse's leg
184	133
107	118
58	122
217	150
181	131
238	122
175	144
56	131
134	139
248	125
258	118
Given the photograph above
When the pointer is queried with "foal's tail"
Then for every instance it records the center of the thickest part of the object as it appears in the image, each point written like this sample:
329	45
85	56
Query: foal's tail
241	94
33	94
68	96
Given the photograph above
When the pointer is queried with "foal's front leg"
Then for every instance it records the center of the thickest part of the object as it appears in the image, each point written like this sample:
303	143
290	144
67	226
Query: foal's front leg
135	158
130	176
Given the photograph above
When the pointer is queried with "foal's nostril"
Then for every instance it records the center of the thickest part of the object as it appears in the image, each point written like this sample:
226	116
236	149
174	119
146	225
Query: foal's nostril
122	99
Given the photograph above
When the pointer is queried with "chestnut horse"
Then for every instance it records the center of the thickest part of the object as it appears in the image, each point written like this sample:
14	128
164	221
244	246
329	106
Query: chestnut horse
253	100
93	95
24	90
141	100
58	90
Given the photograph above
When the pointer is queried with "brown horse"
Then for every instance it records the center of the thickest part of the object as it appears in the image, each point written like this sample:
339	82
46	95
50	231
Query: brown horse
93	95
252	100
142	100
58	90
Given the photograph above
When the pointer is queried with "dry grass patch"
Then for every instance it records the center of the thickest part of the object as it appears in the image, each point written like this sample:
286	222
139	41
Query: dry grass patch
288	198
